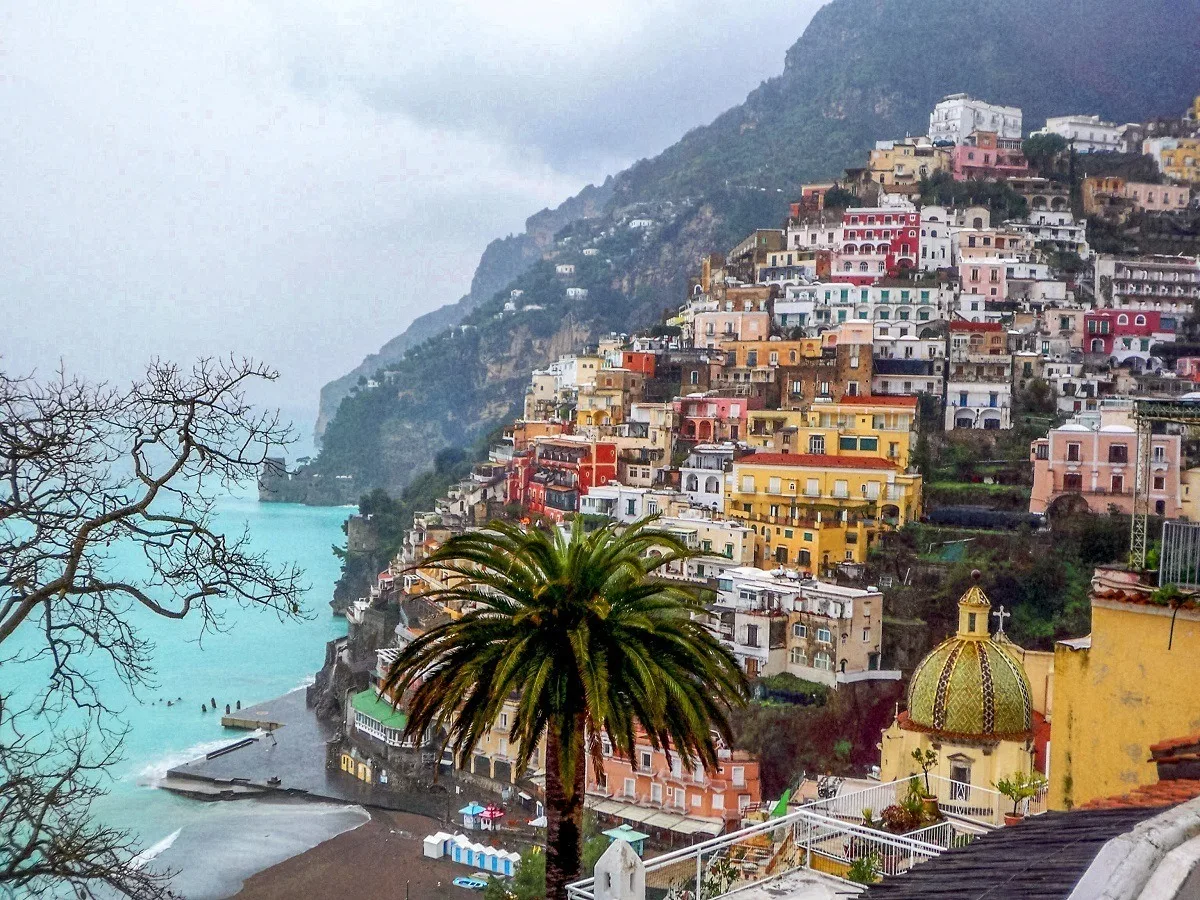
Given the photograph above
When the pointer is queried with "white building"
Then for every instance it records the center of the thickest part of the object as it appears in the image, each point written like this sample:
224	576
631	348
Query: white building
1057	227
957	115
576	293
978	404
702	475
911	305
796	307
565	269
720	546
640	223
625	504
1089	133
820	232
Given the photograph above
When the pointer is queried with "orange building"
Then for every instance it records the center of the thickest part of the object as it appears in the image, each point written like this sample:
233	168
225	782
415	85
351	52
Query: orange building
652	781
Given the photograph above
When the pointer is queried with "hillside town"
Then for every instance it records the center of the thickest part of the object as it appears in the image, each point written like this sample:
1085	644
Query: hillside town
987	310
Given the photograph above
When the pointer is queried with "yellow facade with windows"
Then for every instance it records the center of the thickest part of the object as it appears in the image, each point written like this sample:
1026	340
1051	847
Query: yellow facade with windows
1119	690
812	512
1182	162
867	428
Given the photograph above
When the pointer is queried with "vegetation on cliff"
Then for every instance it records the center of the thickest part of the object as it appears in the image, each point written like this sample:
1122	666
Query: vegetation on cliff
840	90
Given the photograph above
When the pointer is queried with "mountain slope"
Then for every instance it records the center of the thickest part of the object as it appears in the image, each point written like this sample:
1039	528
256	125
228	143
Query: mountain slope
863	70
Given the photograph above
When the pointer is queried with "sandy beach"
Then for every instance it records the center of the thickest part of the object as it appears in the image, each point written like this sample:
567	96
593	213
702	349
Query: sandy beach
376	861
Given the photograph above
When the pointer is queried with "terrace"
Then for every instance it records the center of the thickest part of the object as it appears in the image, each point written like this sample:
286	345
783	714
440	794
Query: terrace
817	844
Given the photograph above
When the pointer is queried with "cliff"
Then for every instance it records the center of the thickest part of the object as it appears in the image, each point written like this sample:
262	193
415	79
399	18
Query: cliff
863	70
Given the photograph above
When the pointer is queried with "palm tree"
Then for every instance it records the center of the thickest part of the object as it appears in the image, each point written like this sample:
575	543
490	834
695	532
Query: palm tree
586	642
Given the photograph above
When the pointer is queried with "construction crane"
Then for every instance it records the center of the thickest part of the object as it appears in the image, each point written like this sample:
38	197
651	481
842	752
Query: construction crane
1146	413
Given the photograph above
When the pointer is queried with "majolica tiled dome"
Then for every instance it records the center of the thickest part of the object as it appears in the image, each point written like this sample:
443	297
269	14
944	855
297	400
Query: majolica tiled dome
972	685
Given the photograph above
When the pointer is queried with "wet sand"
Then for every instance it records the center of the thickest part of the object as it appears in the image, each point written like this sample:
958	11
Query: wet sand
372	862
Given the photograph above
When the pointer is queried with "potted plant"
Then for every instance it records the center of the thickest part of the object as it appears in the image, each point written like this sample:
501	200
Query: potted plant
927	759
1019	787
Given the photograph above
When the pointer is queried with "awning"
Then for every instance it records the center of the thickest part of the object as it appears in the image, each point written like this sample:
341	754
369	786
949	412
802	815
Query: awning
663	820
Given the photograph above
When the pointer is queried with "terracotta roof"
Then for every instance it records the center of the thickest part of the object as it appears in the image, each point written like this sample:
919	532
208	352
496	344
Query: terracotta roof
881	400
1161	793
815	461
1176	743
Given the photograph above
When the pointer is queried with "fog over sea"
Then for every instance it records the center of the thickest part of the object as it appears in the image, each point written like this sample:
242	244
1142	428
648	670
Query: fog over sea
214	846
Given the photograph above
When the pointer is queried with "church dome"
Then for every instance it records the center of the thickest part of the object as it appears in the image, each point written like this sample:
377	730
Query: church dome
972	685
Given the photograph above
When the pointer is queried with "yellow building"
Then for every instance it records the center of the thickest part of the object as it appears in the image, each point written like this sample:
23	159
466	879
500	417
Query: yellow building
818	510
906	162
1127	685
1182	162
860	427
972	702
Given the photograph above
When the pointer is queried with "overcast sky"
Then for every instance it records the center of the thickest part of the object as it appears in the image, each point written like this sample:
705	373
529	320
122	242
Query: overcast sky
297	180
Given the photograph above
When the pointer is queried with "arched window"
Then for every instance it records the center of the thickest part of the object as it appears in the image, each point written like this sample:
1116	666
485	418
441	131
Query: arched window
1122	319
862	267
977	222
1097	345
849	266
1140	320
712	485
692	483
792	356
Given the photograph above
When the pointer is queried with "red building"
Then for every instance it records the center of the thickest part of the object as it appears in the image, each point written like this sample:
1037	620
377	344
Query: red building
550	478
1127	334
639	361
877	242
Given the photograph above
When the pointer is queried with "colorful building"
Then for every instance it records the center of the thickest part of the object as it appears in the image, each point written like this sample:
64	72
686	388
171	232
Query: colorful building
815	511
550	478
877	242
1094	456
707	417
986	155
1127	336
653	781
858	427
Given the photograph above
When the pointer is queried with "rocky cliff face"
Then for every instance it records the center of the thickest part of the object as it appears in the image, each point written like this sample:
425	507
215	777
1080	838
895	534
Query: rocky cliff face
503	260
863	70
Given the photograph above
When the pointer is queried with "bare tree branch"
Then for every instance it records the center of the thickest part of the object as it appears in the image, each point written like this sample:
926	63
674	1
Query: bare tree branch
86	468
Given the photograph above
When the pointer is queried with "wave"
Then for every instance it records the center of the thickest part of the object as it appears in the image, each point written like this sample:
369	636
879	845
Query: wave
150	852
153	773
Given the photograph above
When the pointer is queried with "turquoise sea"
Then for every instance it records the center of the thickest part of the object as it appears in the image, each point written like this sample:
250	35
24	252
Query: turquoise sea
255	658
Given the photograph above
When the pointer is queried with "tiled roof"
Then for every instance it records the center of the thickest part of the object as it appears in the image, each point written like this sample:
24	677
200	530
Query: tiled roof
880	400
1042	858
815	461
1150	796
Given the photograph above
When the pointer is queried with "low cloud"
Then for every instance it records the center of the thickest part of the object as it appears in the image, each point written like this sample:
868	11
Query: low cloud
299	180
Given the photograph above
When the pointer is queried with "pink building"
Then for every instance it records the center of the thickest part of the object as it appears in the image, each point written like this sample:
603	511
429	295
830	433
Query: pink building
1188	367
985	277
1157	197
983	154
1094	457
706	418
711	328
877	242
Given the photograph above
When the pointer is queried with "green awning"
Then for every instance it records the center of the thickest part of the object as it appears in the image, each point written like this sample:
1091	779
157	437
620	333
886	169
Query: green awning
782	806
368	703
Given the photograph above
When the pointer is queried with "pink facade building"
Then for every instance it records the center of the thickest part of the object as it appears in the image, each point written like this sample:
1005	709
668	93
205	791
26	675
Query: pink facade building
985	277
985	155
1094	456
706	418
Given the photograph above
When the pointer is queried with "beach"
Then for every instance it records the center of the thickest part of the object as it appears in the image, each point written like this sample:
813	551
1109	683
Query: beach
379	860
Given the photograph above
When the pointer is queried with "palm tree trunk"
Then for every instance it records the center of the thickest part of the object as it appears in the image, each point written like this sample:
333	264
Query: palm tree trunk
564	813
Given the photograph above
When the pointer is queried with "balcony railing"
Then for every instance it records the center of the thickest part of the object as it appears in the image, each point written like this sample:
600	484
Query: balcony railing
824	836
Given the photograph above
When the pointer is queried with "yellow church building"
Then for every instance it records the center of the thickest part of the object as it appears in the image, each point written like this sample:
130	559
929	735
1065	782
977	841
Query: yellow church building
972	701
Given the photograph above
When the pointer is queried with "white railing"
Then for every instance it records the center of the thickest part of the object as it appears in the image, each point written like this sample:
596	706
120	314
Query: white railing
827	836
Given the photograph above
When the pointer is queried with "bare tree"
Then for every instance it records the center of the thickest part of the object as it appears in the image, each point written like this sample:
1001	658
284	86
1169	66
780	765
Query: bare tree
84	468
